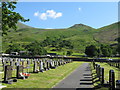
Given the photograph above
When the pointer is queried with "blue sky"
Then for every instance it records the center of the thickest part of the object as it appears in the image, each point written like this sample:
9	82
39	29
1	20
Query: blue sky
65	14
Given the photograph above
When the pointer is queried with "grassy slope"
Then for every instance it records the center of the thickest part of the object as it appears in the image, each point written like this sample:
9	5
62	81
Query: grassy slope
80	35
46	79
108	33
27	35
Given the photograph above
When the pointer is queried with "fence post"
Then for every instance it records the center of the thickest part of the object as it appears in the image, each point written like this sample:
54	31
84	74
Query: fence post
111	80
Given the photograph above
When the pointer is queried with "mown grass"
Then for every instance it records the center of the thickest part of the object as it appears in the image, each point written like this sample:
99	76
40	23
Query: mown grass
46	79
107	68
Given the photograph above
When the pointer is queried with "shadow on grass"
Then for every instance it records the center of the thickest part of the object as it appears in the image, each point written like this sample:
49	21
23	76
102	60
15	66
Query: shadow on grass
99	86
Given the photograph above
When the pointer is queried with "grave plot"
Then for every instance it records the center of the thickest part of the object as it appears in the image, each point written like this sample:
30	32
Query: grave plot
14	69
44	65
52	64
8	75
36	66
41	68
20	68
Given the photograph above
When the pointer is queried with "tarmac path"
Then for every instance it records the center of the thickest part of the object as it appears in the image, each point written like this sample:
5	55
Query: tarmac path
79	79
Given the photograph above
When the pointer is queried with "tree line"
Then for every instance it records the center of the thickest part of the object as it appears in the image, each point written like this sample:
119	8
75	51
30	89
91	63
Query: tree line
103	50
37	48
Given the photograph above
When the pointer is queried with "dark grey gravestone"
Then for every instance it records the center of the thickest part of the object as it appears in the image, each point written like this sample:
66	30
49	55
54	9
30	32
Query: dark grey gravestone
8	72
48	65
8	75
19	70
52	65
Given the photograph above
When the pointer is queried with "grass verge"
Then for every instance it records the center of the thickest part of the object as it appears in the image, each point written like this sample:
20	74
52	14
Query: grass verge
106	67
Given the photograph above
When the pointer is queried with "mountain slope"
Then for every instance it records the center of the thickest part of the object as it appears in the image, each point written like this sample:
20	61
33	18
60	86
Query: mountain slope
20	26
79	35
107	34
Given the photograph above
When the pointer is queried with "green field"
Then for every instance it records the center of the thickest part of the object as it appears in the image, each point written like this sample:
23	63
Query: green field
46	79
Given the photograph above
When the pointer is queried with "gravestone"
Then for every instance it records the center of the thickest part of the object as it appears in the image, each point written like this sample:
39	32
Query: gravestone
53	65
102	76
4	64
7	72
8	75
35	70
111	80
41	66
57	63
28	62
17	63
11	63
44	66
48	64
19	70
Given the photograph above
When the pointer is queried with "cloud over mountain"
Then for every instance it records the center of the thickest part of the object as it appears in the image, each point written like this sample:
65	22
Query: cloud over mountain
48	14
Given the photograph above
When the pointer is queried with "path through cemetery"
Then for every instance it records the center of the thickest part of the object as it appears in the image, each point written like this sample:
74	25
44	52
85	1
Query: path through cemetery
79	79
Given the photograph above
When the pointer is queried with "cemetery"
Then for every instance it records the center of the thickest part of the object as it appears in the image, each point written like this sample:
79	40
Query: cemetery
15	69
59	54
23	70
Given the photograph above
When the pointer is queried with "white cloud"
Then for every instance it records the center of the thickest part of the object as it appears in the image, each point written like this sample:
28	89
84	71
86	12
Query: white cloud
43	16
79	9
58	15
36	13
48	14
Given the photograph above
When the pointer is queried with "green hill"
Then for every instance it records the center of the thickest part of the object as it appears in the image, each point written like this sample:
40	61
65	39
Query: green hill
79	35
107	34
20	25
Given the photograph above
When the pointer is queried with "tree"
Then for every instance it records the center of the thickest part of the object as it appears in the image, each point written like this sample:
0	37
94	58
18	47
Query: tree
91	51
36	49
14	48
69	53
9	17
106	50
